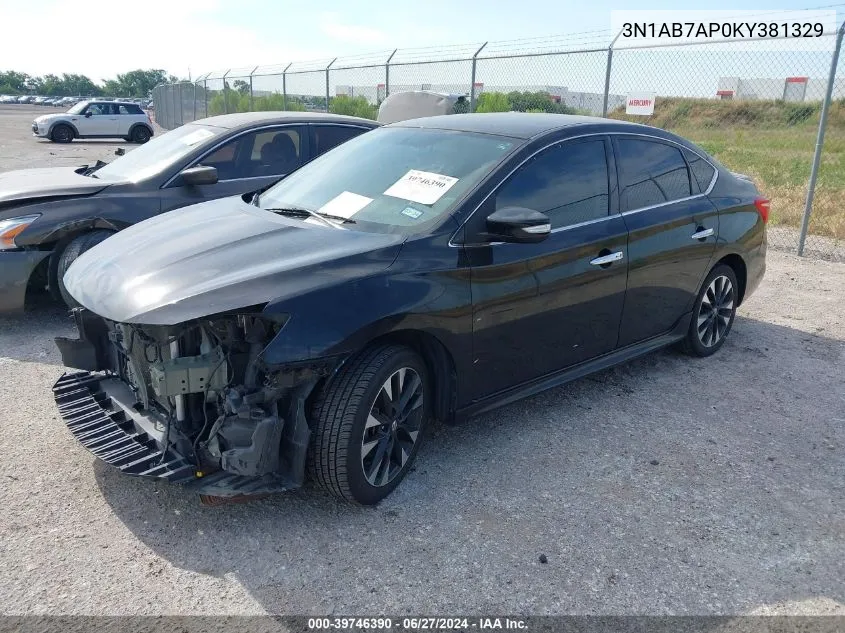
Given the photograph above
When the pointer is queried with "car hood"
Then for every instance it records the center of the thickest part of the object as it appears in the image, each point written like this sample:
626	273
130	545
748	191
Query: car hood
218	256
45	118
25	184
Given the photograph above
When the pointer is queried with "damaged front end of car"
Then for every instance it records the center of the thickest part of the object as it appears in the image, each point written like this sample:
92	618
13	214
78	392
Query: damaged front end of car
193	403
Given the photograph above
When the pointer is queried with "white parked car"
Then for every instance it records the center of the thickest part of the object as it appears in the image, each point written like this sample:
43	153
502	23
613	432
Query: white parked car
96	119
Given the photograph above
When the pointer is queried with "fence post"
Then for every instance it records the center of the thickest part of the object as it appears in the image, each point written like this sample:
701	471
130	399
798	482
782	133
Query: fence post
814	170
205	95
250	87
225	93
472	80
387	75
607	74
173	108
285	87
194	115
181	105
327	82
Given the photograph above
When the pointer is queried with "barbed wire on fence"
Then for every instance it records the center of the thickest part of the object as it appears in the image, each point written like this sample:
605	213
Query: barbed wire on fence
760	110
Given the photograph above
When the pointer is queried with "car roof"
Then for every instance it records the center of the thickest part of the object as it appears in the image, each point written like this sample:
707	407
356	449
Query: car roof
246	119
522	125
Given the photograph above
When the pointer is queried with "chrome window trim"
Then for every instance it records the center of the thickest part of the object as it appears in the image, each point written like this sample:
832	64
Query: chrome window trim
342	124
252	178
226	140
624	213
662	204
612	216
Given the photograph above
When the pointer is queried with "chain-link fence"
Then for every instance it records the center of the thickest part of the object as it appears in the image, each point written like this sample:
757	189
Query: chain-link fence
761	110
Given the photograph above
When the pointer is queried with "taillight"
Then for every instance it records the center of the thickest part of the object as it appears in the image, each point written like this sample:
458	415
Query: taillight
763	205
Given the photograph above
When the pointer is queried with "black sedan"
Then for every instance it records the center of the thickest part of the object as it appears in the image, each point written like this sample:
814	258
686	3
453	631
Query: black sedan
433	268
49	216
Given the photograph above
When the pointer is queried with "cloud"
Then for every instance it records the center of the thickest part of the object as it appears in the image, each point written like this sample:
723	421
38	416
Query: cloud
331	25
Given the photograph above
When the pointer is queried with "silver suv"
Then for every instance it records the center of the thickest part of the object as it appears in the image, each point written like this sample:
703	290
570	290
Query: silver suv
96	119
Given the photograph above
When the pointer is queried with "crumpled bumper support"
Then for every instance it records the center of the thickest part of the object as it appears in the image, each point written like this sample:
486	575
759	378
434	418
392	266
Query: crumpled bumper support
109	434
115	433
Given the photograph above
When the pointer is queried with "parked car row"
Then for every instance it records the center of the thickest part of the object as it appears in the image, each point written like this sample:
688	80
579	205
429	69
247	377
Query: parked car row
36	100
263	295
67	101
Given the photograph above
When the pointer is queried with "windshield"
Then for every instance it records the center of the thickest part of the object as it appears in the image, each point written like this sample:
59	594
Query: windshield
158	153
78	108
392	180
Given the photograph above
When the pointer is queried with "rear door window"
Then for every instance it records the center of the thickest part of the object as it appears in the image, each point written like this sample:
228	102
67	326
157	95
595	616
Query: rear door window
328	136
702	171
651	173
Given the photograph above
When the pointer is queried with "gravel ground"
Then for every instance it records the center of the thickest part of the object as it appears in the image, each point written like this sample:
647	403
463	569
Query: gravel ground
669	485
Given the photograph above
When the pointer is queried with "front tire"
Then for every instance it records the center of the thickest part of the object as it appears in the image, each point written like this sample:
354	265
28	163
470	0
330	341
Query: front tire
74	249
713	313
368	422
62	134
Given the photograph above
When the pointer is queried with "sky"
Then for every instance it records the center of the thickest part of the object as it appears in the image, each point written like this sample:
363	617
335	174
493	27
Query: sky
197	36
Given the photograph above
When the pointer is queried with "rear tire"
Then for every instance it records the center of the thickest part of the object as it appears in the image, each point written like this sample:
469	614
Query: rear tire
713	313
74	249
61	134
368	423
140	135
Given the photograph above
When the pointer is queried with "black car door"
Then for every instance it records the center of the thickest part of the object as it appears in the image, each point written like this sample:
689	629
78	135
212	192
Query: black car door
538	308
248	162
673	228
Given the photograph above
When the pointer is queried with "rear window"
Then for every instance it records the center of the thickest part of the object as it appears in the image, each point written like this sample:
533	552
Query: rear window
701	170
329	136
651	173
129	108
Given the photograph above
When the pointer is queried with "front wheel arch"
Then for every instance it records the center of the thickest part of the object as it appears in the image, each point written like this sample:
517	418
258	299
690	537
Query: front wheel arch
341	419
67	123
58	250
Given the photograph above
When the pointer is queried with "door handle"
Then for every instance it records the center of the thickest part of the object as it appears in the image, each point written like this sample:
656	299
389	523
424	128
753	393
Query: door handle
607	259
701	234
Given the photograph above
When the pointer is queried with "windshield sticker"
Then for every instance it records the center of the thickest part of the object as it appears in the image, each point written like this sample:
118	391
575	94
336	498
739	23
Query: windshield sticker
424	187
345	205
195	137
411	212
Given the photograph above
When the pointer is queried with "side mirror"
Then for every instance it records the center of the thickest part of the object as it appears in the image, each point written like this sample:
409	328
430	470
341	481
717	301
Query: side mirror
518	225
88	114
199	175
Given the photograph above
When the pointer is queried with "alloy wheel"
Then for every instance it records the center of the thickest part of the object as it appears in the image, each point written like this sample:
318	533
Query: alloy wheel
392	427
715	311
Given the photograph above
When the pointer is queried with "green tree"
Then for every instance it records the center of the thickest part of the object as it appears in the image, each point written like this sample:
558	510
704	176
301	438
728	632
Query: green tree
34	85
80	85
241	86
353	106
139	83
113	88
536	102
13	82
493	102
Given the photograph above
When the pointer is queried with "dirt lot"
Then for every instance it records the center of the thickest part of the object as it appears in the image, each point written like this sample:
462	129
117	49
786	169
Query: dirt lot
666	486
